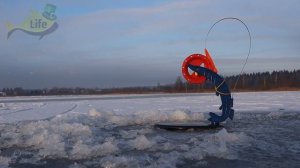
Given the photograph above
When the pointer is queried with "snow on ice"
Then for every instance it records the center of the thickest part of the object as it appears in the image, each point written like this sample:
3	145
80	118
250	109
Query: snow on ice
117	131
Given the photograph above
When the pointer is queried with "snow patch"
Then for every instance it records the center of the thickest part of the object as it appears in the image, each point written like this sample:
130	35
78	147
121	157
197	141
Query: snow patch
105	149
179	116
275	115
4	161
141	143
84	151
217	144
118	161
46	136
2	105
194	154
80	151
94	113
166	160
76	165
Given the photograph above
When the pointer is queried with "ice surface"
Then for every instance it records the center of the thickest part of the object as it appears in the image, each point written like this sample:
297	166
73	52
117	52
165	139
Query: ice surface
155	106
4	161
118	132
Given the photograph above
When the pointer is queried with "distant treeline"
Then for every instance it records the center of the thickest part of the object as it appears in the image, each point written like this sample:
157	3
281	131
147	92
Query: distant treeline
277	80
261	81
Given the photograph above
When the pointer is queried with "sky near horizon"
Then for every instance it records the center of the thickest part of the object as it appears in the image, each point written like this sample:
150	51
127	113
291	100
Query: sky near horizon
140	43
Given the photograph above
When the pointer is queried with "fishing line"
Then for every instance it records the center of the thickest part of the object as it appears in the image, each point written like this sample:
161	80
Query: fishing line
250	43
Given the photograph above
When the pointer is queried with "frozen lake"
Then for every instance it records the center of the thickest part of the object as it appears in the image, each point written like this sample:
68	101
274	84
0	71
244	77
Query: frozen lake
117	131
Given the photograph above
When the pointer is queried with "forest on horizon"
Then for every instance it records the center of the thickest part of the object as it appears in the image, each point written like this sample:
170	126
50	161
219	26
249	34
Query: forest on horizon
261	81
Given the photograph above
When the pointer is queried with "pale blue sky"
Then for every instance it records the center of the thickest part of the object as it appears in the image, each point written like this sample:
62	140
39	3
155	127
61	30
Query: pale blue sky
135	43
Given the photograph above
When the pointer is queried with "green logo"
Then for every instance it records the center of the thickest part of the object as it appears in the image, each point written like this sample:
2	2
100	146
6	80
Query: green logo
37	24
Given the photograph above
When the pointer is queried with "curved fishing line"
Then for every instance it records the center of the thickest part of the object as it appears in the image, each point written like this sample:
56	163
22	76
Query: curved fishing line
250	43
